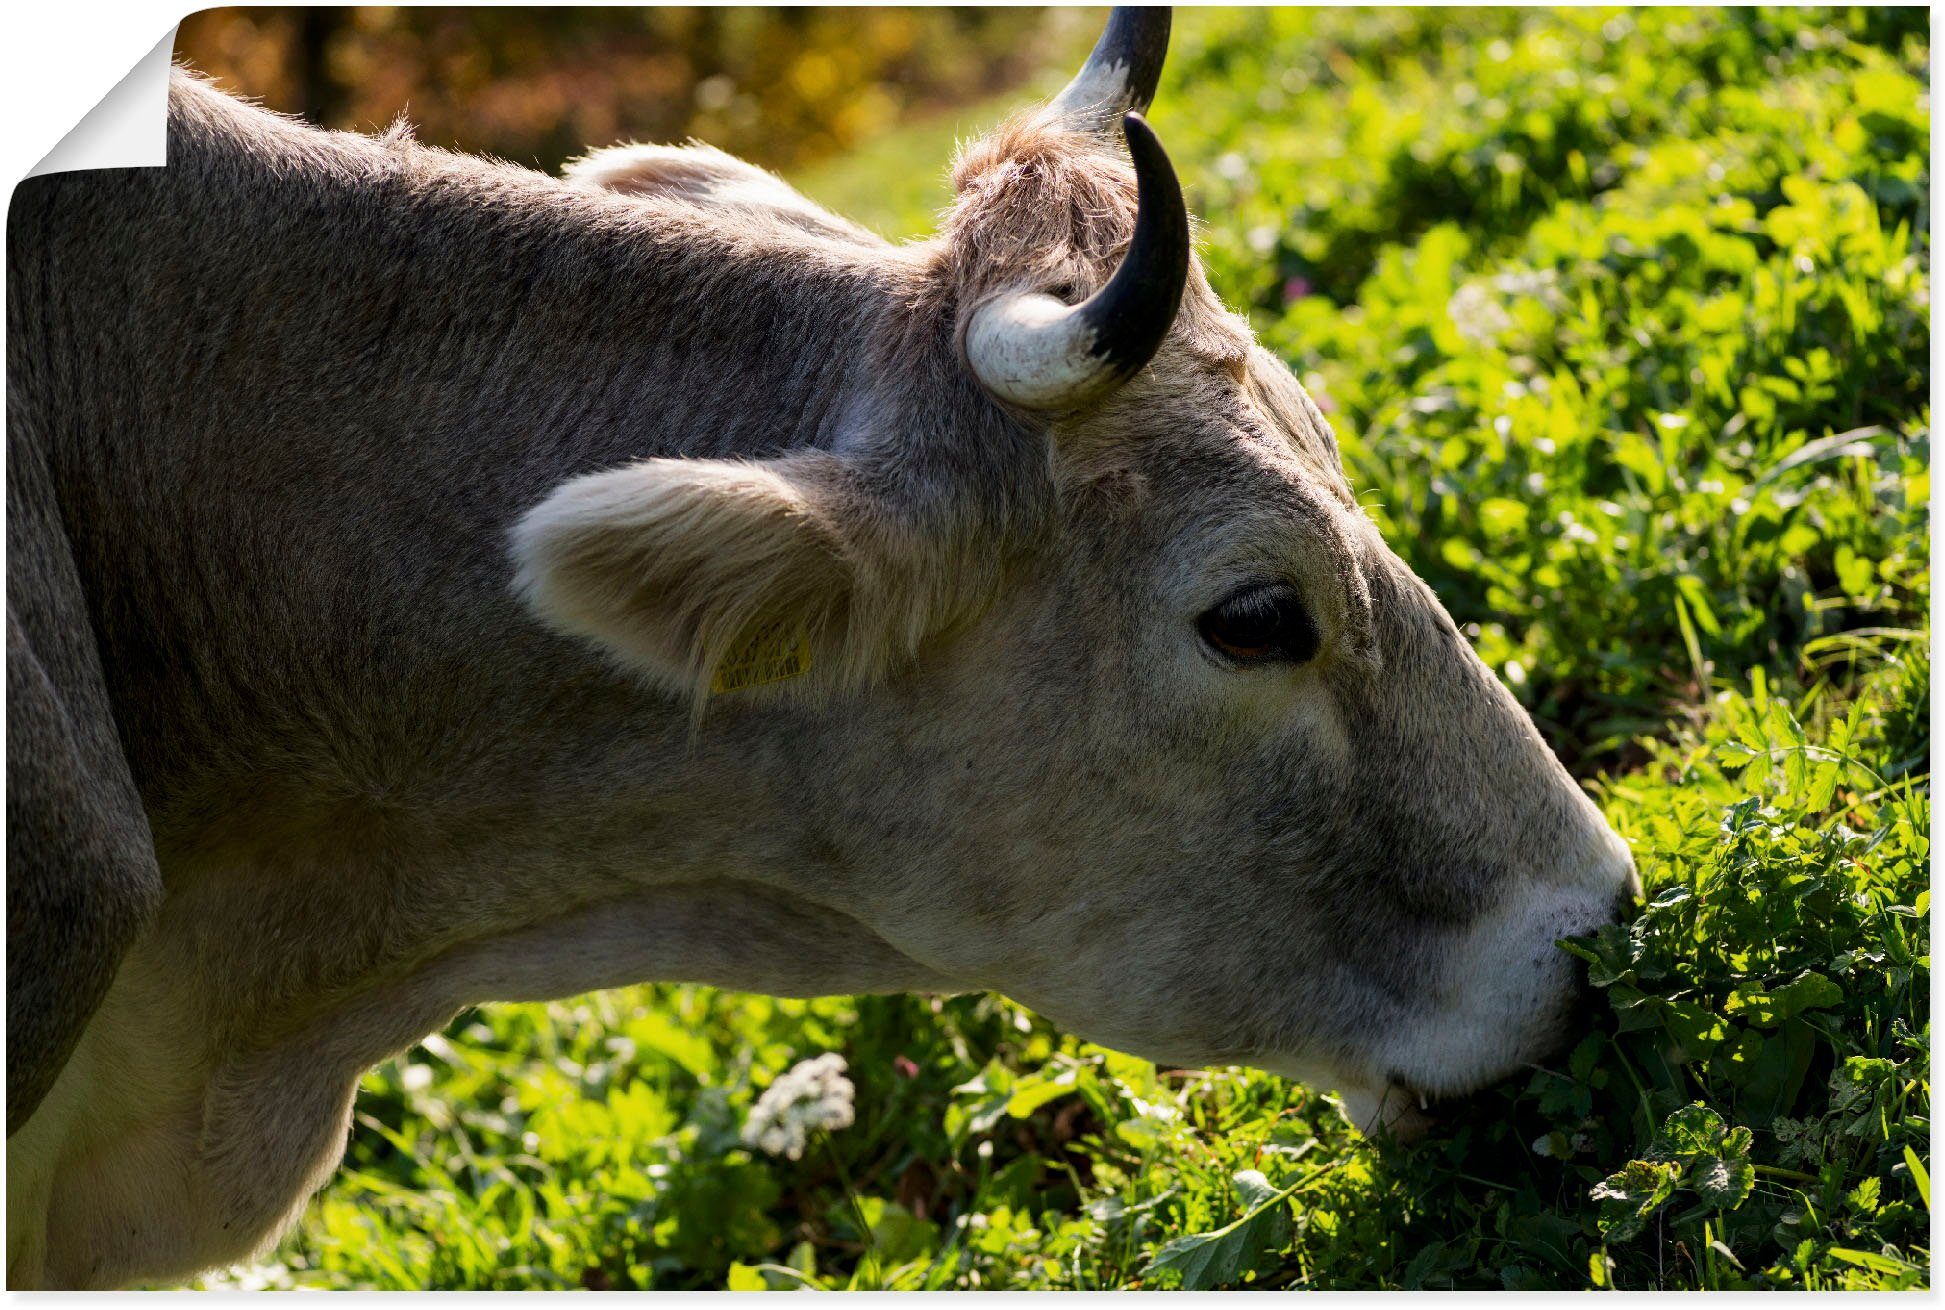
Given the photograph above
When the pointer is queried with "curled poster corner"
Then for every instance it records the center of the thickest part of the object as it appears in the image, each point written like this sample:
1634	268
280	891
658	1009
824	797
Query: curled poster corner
127	128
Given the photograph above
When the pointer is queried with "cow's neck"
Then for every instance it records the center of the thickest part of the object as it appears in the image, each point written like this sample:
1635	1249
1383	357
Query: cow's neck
300	387
304	383
296	389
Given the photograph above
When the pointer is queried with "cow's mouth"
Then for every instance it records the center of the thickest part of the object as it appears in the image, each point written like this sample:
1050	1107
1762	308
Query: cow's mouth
1403	1111
1394	1109
1418	1107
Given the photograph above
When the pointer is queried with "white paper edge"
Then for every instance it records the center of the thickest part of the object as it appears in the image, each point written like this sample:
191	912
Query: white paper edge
127	128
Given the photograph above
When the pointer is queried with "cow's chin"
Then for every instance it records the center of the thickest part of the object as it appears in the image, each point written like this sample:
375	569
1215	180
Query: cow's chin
1388	1111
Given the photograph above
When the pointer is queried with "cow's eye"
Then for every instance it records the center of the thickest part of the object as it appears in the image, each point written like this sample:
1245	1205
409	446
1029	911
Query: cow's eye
1259	623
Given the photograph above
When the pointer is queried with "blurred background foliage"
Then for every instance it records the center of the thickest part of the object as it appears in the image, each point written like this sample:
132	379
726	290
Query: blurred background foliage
538	86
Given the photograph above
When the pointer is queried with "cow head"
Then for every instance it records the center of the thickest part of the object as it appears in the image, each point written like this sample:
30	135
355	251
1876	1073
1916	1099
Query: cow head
1081	671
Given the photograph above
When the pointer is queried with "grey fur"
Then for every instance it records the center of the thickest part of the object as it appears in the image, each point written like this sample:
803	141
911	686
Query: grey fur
294	395
81	875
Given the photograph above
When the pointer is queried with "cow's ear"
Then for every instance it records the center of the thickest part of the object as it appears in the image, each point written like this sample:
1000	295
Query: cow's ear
714	576
705	176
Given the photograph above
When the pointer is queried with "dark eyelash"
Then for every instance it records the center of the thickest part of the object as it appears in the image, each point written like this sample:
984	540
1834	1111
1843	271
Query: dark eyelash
1261	623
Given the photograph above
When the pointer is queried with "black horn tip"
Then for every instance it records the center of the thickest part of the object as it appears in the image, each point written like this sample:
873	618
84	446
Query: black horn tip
1132	314
1123	70
1138	37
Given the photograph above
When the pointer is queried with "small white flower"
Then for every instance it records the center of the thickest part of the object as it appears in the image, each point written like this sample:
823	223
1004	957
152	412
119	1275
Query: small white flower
813	1094
248	1278
1476	315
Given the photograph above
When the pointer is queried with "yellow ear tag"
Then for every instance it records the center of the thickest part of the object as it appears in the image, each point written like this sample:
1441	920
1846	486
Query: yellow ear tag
774	652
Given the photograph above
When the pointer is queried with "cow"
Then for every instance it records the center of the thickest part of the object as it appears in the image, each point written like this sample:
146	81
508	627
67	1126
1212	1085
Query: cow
433	583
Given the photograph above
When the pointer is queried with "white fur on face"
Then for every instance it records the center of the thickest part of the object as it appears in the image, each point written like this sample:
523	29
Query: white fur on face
1503	1003
1507	986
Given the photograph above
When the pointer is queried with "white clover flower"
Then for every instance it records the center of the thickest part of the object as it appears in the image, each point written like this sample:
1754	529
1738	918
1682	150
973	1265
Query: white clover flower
810	1095
1541	284
1477	316
247	1278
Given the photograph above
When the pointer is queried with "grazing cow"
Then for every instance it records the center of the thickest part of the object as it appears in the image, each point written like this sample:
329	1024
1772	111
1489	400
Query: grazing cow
433	583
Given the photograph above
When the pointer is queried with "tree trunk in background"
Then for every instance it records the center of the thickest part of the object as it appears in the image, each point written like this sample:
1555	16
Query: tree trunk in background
322	97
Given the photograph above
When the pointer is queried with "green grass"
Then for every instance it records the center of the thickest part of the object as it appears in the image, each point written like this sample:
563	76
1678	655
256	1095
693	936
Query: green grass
899	186
1622	320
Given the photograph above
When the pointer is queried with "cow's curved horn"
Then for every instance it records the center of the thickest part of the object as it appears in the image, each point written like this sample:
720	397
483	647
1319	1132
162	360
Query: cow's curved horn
1042	354
1121	73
